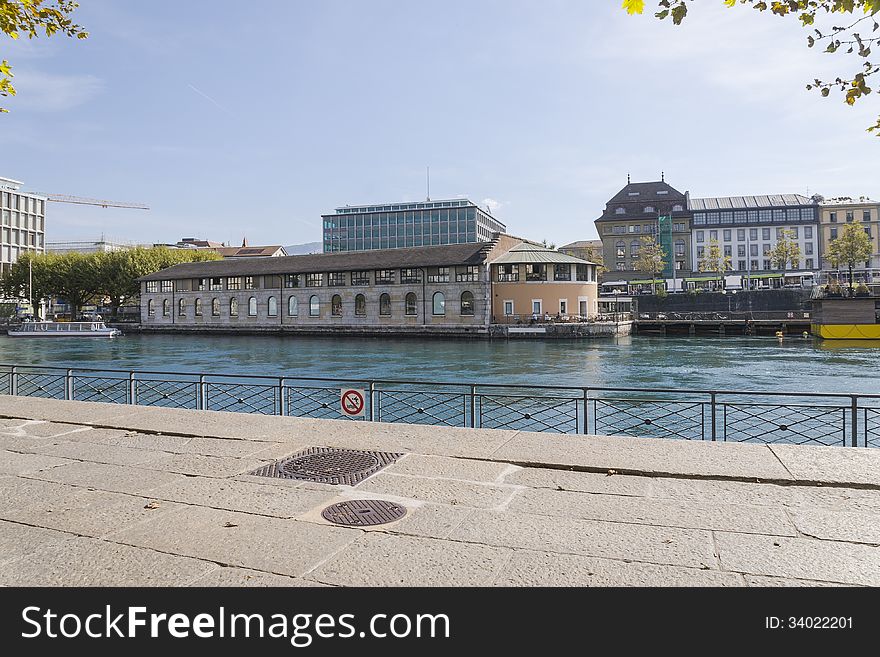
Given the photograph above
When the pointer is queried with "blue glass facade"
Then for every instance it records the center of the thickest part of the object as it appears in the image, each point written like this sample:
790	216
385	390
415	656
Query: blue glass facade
400	225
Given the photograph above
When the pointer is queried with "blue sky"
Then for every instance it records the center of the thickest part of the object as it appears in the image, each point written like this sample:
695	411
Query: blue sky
254	118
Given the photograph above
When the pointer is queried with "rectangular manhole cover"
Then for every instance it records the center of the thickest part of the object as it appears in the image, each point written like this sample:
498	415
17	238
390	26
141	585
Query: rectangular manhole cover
327	465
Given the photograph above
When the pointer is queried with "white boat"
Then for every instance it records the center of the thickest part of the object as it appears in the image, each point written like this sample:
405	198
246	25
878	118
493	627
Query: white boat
62	330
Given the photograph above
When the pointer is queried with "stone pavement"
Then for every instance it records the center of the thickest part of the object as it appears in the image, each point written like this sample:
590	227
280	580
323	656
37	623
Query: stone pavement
103	495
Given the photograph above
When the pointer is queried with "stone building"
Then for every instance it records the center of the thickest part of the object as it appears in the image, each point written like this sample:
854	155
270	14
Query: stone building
437	289
835	213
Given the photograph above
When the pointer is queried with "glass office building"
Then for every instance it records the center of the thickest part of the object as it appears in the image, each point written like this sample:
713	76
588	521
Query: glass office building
22	223
400	225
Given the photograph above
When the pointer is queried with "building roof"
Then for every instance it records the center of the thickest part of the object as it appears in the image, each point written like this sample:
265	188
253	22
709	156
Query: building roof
646	191
582	244
528	253
742	202
422	256
250	251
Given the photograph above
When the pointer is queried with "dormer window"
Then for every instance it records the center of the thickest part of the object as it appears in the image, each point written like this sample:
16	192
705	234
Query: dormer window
661	192
648	209
620	211
677	208
632	193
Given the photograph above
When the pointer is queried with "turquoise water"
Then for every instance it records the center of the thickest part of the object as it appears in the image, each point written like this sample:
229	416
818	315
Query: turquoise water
728	363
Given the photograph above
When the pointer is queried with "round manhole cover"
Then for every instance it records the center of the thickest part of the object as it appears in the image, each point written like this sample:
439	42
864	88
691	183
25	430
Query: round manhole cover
330	464
363	513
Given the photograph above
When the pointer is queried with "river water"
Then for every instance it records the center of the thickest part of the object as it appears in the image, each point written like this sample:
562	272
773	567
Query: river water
695	363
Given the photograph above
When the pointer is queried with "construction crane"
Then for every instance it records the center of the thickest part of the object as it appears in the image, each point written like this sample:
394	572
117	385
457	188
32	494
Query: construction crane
65	198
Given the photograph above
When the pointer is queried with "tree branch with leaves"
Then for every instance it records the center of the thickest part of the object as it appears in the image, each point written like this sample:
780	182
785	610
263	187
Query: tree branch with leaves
652	259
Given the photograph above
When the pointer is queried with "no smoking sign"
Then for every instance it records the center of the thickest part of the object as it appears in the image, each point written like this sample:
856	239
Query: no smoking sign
351	402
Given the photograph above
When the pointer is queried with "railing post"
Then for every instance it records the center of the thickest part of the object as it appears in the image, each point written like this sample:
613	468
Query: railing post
132	389
586	415
373	401
473	406
202	401
13	381
713	416
282	396
855	421
68	385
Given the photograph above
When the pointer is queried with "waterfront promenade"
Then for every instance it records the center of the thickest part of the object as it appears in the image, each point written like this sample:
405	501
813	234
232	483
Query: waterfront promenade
106	495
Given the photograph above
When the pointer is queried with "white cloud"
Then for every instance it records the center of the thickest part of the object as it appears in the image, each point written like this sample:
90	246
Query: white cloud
492	204
48	92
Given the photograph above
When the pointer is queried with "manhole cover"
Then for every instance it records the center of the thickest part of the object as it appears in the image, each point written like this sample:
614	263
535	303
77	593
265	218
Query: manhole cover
329	466
363	513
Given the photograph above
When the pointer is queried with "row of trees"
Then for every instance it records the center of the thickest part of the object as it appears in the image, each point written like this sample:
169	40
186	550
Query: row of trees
81	278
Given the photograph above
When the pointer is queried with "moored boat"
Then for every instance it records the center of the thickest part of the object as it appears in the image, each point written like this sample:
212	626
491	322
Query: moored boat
94	329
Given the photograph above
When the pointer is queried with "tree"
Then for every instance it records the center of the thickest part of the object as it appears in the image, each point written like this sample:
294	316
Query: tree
855	37
786	251
714	260
594	254
851	248
30	269
652	259
30	17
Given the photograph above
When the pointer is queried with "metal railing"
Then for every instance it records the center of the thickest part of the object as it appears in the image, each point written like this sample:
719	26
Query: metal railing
712	415
726	316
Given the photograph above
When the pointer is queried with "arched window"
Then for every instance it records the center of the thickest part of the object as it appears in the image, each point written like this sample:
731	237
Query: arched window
233	307
181	307
197	307
679	247
360	305
439	304
467	303
292	307
336	306
620	211
621	249
151	307
314	306
648	209
411	304
634	247
677	208
385	304
252	307
215	307
166	307
272	307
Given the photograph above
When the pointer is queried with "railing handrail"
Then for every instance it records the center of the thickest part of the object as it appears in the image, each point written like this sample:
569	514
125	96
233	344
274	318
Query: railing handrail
470	385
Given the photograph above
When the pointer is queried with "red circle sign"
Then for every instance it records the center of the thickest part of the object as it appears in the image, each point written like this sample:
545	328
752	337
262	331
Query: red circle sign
352	402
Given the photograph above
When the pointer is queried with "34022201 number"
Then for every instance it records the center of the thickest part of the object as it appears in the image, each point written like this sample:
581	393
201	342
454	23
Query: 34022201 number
820	622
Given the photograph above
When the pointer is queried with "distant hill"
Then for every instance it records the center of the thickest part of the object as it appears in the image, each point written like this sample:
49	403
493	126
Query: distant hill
304	249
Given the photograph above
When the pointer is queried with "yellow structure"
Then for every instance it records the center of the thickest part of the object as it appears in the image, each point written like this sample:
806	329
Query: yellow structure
846	319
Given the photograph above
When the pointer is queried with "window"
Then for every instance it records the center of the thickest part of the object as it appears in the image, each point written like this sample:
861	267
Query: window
634	228
620	211
167	286
360	278
866	215
215	307
384	304
753	249
678	228
677	208
411	304
152	286
292	307
336	279
166	308
233	283
197	307
742	265
634	248
181	307
767	265
384	277
808	248
753	234
291	280
808	263
679	247
779	233
438	275
741	234
314	280
713	235
250	283
467	303
832	217
314	306
765	233
727	235
808	232
507	273
794	231
754	265
536	306
233	307
508	307
621	266
868	232
700	251
741	250
849	216
699	219
216	283
252	307
360	305
563	306
272	307
632	193
408	276
151	307
648	209
621	249
582	272
701	236
765	250
467	274
834	233
728	250
439	304
562	272
536	272
336	306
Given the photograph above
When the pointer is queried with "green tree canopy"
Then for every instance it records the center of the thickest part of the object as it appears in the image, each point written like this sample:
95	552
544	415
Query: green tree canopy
652	258
30	18
851	248
713	259
786	251
859	33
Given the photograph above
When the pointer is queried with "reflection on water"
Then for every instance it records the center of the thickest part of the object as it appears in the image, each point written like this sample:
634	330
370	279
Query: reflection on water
732	363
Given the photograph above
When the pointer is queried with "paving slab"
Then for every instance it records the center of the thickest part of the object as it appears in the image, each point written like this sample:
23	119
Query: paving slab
586	482
285	547
838	525
17	540
131	439
18	463
62	411
761	580
659	545
199	464
243	577
529	568
644	455
451	468
831	464
100	476
648	511
444	491
378	559
93	562
111	454
799	558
